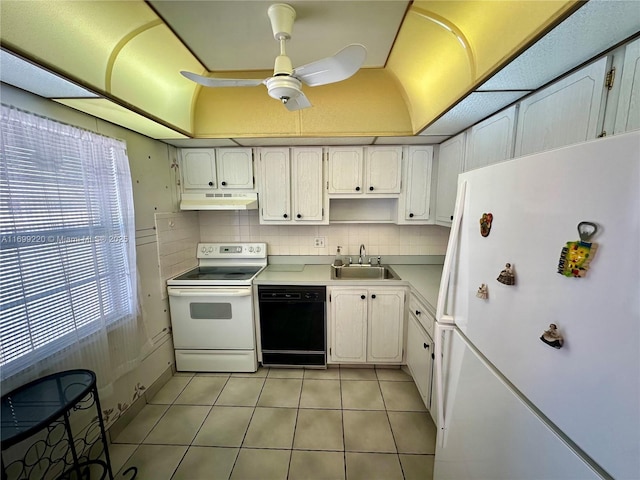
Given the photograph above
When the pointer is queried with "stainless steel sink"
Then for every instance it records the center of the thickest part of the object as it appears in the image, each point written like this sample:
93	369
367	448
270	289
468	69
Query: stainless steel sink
363	272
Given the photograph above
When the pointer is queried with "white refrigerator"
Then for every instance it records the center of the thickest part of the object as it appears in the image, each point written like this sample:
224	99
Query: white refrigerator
509	405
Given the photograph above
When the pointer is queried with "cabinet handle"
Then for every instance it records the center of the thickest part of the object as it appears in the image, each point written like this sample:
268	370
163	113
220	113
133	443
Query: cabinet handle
211	184
299	216
373	296
411	215
418	312
425	345
224	183
363	297
371	189
286	216
451	217
357	189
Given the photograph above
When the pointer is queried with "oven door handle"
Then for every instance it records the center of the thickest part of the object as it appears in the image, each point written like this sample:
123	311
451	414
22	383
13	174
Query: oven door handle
209	292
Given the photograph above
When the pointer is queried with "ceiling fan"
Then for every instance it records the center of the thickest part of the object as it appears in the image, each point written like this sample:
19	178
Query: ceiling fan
286	83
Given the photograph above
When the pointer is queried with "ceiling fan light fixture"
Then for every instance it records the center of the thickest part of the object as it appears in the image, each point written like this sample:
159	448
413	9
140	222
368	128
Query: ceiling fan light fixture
282	17
283	88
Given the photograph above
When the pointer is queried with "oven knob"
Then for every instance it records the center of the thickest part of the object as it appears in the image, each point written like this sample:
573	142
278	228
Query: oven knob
251	249
210	249
258	249
203	249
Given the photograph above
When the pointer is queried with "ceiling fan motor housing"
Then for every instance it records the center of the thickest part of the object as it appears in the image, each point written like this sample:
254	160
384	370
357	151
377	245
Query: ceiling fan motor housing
283	88
282	17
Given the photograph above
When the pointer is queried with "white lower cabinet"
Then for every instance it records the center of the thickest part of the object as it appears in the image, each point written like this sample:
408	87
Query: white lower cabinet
366	324
419	358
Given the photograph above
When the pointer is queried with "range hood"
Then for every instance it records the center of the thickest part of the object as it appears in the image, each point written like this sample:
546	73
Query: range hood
219	201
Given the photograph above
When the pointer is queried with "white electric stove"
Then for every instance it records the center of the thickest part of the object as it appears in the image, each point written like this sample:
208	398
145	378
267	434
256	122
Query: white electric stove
212	309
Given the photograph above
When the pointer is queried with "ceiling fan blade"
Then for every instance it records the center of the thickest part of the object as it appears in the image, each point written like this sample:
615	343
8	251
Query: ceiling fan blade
222	82
297	103
332	69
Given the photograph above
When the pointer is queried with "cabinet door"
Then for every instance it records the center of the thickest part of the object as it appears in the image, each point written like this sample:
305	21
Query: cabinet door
383	170
199	168
491	141
450	160
346	170
628	114
307	182
419	360
564	113
348	310
274	185
235	168
417	195
386	314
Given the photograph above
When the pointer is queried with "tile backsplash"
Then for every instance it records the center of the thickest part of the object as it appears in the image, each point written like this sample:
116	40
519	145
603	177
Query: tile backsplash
379	239
178	237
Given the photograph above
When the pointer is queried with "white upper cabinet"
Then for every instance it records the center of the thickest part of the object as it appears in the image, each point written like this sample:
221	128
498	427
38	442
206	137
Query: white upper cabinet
291	186
346	166
564	113
628	112
415	200
450	161
274	185
364	171
307	194
491	140
217	168
383	170
199	169
235	168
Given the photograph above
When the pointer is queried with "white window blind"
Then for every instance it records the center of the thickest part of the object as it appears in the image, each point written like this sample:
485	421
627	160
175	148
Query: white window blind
67	250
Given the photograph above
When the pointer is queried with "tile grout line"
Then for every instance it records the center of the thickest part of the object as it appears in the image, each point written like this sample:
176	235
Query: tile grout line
386	412
295	425
203	422
235	462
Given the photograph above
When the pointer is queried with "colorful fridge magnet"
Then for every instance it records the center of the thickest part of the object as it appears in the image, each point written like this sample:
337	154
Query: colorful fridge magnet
507	276
575	257
483	292
485	224
552	337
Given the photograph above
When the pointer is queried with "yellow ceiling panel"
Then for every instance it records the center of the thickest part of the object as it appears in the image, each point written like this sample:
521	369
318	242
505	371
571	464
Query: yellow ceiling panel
242	111
432	65
496	29
149	77
74	38
369	103
445	49
114	113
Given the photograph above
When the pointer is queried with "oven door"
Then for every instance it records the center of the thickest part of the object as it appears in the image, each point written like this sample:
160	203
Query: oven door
212	318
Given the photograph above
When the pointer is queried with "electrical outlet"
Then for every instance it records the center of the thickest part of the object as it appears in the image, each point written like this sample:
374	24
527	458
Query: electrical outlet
318	242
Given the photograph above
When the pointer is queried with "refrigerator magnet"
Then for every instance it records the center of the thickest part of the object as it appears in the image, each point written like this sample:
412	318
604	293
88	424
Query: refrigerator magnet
507	276
483	291
576	256
552	337
485	224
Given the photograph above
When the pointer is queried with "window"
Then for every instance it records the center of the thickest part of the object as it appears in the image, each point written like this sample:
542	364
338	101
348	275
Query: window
67	245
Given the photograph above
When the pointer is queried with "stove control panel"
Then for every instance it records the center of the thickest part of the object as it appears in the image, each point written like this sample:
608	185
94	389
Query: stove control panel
232	250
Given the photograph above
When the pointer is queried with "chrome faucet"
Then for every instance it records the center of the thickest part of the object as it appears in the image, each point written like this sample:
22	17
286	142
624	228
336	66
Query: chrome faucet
363	253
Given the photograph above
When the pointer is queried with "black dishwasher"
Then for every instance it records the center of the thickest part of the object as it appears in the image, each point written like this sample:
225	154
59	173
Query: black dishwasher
293	325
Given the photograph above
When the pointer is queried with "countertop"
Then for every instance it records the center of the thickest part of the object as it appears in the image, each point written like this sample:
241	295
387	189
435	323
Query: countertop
424	280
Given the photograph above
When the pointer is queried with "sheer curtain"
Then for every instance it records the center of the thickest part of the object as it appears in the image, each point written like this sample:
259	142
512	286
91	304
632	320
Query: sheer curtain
68	280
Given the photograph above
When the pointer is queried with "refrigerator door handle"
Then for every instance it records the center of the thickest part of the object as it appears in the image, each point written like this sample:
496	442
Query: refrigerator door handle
440	329
449	257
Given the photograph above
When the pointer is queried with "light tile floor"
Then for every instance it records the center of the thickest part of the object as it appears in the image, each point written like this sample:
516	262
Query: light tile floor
279	424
